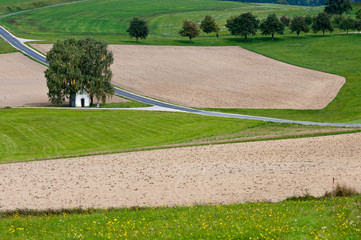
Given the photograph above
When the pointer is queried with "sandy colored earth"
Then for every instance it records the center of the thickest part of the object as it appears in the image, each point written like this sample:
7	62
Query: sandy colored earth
219	77
22	82
270	170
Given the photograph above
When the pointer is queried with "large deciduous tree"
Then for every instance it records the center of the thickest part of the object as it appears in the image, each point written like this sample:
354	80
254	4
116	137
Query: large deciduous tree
298	25
272	25
243	25
322	22
285	20
138	28
358	14
208	25
338	6
308	20
190	30
347	24
96	69
76	64
358	25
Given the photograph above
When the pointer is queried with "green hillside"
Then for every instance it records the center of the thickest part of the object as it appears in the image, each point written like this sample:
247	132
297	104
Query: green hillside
5	47
109	19
10	6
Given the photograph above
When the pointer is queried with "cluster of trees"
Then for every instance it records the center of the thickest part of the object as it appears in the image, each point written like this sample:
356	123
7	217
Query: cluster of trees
79	64
191	29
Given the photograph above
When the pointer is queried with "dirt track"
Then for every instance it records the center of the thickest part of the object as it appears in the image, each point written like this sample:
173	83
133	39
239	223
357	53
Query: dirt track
220	77
271	170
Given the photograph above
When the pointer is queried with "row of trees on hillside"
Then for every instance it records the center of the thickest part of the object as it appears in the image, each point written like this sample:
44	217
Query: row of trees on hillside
247	24
85	64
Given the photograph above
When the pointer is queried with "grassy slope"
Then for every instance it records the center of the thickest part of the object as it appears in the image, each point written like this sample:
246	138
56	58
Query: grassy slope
28	134
109	19
334	218
6	47
10	6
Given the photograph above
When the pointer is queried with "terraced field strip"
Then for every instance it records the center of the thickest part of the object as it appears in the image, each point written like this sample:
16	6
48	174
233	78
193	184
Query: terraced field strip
30	134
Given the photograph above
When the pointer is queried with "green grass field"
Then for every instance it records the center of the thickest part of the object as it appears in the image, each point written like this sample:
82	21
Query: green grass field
28	134
129	104
336	53
10	6
108	19
6	47
323	218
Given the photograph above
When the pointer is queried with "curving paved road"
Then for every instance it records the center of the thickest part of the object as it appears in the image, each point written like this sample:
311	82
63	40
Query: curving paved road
18	44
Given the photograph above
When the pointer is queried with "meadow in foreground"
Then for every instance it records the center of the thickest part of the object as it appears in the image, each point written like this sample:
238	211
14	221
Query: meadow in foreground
310	218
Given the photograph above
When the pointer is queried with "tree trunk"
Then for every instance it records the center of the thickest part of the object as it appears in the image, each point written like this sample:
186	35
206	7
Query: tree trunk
137	39
273	36
245	37
347	31
298	35
98	103
323	32
190	39
91	100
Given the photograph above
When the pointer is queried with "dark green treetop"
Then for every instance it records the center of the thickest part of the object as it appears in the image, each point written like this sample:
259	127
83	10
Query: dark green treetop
138	28
347	24
322	23
298	25
208	25
243	25
190	30
338	6
272	25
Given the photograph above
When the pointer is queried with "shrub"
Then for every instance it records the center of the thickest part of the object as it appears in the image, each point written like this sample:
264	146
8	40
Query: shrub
342	190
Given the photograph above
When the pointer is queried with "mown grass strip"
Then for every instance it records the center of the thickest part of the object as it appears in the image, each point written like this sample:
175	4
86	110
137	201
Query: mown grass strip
34	134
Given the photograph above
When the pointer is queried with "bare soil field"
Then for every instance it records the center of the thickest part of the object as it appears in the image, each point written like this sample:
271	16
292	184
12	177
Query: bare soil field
219	77
270	170
23	83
